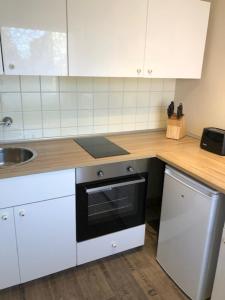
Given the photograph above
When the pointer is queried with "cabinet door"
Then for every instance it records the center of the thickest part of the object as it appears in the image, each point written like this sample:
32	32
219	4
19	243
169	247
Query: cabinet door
46	237
1	67
106	37
9	269
176	36
219	283
34	37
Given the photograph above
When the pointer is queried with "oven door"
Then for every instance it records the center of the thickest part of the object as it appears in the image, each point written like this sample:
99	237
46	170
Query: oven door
110	205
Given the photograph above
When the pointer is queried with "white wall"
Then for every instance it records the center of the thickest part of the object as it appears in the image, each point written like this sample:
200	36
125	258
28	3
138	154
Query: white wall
204	100
44	107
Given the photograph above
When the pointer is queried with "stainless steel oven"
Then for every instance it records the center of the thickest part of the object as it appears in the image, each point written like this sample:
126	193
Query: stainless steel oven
110	198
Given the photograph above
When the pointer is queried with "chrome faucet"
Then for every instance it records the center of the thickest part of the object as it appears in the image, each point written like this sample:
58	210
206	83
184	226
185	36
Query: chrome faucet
6	121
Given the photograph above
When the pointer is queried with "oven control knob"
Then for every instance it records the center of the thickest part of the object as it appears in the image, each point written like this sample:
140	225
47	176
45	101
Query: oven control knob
100	173
130	169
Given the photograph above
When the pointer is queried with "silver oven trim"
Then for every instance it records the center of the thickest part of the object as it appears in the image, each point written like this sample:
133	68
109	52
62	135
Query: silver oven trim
113	170
111	186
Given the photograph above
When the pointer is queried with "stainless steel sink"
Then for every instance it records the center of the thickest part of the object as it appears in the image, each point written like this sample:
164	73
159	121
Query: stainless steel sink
15	156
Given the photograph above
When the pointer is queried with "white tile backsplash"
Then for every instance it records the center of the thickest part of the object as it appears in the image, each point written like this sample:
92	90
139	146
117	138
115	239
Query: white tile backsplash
129	115
48	107
33	134
101	84
156	99
157	85
100	117
68	101
30	84
130	84
115	100
85	101
32	120
67	84
51	133
68	118
85	84
116	84
101	100
11	102
143	99
85	118
49	84
51	119
130	99
115	116
9	84
31	101
144	85
50	101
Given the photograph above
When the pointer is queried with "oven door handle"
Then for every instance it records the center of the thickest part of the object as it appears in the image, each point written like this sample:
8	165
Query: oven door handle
115	185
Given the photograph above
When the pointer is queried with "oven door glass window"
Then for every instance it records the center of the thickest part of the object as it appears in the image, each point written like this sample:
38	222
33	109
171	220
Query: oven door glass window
110	206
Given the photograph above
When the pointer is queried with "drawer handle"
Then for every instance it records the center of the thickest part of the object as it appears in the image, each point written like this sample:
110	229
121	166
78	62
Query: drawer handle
22	213
11	66
139	71
114	245
4	217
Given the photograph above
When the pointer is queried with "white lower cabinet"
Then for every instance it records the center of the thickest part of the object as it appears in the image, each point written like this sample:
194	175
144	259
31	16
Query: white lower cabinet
9	269
36	187
38	239
110	244
46	237
219	283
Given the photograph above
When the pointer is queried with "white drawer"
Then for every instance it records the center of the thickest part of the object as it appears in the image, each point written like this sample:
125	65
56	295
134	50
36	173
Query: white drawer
110	244
32	188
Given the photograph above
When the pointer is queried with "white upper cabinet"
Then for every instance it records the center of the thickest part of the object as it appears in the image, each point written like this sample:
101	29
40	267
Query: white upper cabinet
1	67
34	37
106	37
176	35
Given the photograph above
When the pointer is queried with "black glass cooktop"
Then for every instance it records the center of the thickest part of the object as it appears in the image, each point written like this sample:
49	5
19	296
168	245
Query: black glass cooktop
100	146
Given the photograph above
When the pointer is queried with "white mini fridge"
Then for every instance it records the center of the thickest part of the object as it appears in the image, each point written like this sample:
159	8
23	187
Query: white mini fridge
191	225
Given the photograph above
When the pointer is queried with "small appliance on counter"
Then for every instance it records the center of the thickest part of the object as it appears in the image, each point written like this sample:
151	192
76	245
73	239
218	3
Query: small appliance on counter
176	128
213	140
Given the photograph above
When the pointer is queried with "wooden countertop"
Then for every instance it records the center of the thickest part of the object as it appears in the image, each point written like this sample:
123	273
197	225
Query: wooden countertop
185	155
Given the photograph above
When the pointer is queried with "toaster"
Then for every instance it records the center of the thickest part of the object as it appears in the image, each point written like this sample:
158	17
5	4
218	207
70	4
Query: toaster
213	140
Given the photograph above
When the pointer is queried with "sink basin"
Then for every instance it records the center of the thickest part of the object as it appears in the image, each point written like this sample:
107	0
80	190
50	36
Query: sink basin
15	156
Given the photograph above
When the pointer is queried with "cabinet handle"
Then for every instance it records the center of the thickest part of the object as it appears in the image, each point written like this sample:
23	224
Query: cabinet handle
11	66
139	71
114	245
149	71
4	217
22	213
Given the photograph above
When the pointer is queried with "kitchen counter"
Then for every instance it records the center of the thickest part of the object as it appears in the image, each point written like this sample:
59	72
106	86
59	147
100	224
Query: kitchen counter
184	154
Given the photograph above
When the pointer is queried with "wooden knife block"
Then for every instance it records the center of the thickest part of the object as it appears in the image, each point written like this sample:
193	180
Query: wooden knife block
176	128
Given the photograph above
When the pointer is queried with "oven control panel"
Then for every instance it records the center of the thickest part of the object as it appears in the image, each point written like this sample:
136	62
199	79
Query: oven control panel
94	173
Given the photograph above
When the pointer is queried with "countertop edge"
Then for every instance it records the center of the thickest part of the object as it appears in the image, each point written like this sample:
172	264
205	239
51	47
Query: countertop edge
192	174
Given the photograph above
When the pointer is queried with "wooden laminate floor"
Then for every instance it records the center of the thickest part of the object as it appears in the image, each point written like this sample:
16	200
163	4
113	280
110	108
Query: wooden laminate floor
133	275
